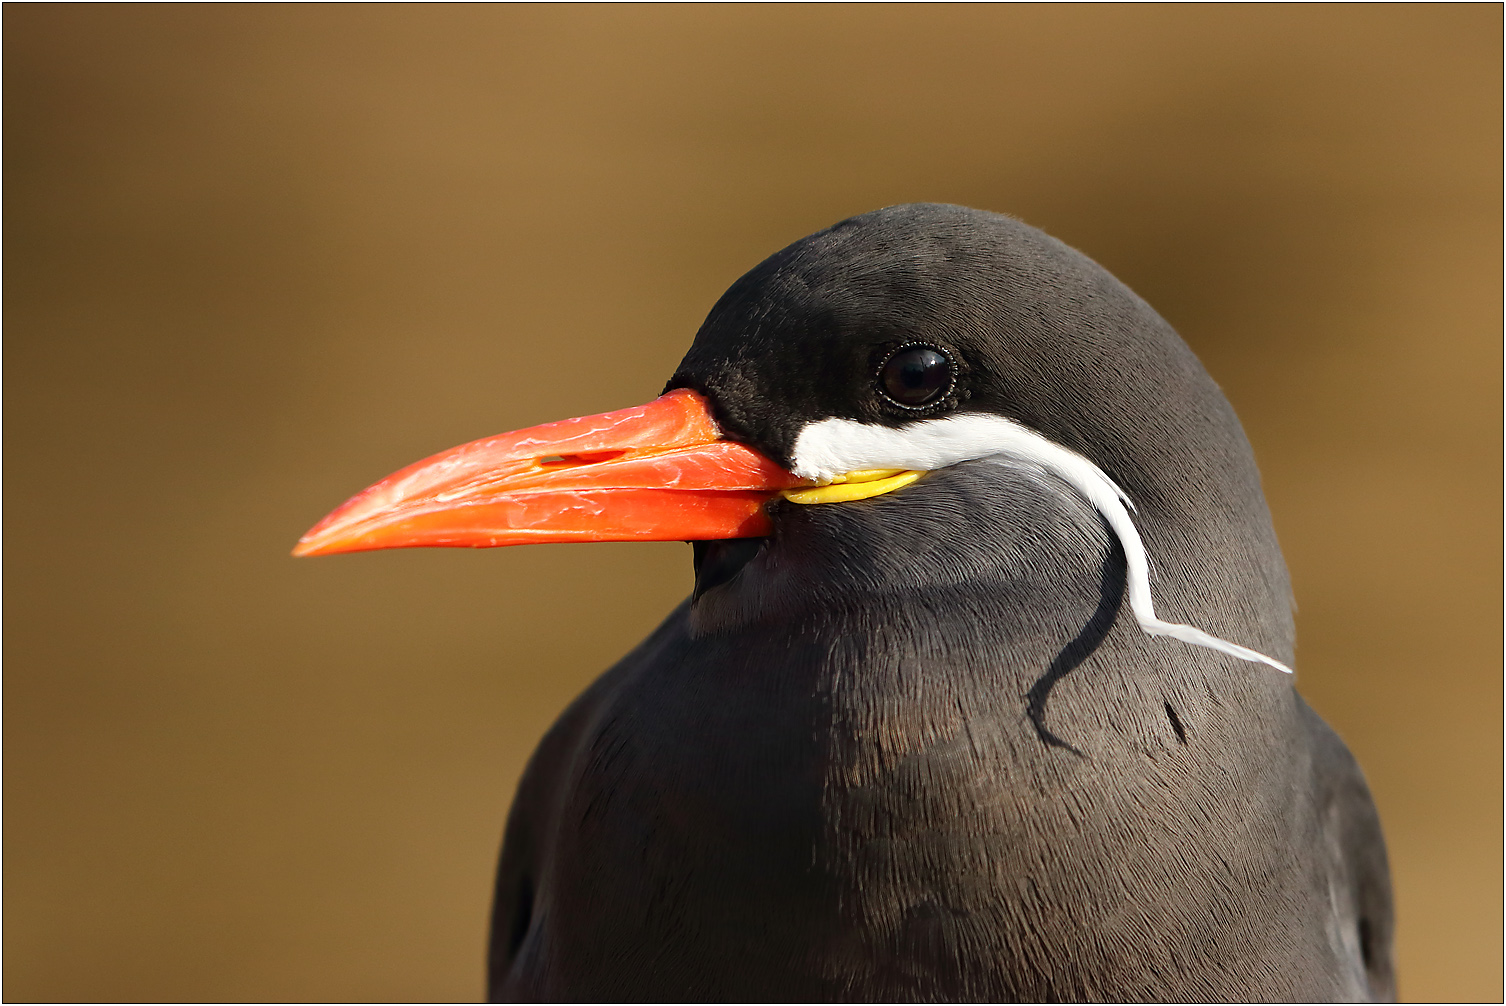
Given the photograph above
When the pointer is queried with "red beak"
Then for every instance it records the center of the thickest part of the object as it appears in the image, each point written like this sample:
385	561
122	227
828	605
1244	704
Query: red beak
658	472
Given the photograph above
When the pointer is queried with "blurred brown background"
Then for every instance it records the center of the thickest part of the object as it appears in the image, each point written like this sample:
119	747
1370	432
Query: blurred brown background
261	256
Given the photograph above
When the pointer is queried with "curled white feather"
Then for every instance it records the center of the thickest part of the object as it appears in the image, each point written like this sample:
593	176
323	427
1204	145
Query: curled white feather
833	447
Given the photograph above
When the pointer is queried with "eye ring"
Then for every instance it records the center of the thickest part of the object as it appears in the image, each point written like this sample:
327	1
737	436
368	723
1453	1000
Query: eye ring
916	376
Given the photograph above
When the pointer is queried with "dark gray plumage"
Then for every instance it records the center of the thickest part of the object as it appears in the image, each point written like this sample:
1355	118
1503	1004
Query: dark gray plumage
909	748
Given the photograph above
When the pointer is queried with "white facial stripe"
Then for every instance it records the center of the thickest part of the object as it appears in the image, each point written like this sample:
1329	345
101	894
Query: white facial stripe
834	447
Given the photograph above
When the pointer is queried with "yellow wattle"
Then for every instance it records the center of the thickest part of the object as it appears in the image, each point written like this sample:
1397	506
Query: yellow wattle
855	486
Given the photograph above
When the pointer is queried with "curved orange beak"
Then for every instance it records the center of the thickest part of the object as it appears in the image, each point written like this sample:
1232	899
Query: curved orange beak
657	472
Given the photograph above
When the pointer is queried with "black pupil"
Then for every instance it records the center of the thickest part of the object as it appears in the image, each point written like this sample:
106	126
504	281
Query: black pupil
916	376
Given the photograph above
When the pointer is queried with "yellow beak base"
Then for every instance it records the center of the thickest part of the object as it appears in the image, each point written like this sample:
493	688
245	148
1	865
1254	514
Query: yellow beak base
855	486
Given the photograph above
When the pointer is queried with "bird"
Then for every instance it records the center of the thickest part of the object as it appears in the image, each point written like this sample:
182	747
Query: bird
983	691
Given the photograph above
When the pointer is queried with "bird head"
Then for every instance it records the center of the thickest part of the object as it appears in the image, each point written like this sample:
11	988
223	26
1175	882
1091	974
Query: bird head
848	369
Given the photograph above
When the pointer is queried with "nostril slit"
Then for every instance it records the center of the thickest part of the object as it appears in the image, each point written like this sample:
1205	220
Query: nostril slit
1176	723
591	458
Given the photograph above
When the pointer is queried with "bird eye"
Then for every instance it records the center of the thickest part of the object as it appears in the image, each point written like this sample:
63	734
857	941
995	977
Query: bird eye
916	376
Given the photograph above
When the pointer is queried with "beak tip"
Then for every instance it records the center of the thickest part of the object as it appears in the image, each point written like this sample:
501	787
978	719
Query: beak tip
315	544
327	536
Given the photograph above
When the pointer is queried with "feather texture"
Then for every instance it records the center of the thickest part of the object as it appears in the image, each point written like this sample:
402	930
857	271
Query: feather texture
832	447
